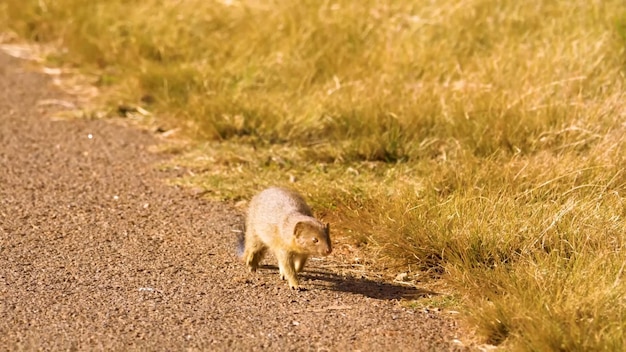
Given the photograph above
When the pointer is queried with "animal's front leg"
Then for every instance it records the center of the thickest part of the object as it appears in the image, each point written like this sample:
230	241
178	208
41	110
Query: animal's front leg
286	268
299	261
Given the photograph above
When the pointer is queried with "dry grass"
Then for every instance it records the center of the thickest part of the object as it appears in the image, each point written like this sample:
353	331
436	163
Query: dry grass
479	141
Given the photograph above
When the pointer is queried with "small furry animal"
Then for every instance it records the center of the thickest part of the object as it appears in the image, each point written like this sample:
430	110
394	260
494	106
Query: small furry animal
280	219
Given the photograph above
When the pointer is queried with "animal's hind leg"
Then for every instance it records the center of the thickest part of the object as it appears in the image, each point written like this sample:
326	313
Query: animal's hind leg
254	251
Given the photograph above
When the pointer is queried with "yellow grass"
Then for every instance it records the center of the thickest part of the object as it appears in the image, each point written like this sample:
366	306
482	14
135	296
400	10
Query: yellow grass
479	141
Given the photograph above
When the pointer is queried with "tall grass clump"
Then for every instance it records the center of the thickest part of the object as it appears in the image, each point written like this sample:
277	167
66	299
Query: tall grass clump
480	142
379	79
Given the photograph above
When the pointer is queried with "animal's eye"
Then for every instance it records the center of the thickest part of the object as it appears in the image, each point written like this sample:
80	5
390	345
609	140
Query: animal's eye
315	240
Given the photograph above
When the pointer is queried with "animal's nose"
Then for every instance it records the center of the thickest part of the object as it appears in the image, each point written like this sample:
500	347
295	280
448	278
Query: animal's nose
328	250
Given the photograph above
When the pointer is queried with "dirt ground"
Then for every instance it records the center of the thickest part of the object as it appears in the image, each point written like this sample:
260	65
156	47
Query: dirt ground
98	253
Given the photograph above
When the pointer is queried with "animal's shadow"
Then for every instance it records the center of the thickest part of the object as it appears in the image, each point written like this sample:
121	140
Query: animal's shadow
363	286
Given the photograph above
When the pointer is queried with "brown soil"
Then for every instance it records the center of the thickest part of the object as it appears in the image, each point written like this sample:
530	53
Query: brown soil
98	253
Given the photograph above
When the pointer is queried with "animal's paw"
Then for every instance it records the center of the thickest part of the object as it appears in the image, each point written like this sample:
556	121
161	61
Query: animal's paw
251	266
296	286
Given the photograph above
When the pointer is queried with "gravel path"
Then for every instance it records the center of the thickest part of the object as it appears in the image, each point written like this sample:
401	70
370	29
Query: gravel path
97	253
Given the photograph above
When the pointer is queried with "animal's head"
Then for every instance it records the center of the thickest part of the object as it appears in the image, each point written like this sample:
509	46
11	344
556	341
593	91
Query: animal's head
313	237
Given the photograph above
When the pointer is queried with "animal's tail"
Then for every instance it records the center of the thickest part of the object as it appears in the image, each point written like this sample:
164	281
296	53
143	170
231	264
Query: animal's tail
241	241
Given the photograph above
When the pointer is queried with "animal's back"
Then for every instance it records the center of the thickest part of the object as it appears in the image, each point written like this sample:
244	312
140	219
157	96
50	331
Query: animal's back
273	205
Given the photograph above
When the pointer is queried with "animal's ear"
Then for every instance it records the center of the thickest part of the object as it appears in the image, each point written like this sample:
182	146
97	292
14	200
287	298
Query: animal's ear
298	229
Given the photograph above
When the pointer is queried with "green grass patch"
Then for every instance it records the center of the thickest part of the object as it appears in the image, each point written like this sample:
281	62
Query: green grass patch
481	142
